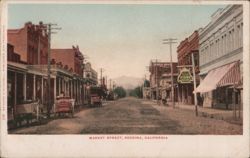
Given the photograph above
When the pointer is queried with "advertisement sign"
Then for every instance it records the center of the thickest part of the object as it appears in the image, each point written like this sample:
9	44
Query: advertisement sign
185	76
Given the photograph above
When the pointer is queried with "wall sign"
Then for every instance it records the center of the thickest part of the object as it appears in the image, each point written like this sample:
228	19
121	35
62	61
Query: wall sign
185	76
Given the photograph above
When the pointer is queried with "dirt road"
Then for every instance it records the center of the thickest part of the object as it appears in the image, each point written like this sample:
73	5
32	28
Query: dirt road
133	116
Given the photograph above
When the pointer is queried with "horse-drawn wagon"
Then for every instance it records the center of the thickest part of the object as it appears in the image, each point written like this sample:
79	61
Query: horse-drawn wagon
64	105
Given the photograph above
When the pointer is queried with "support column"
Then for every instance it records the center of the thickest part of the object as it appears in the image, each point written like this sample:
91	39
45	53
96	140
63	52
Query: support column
34	87
42	92
76	85
55	89
179	95
24	86
70	88
59	85
80	98
77	90
15	92
182	95
63	86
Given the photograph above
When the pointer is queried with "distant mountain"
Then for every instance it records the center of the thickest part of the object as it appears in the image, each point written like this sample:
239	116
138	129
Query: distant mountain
128	82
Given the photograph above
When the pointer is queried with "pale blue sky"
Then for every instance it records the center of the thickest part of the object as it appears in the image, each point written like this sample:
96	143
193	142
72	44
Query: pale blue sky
123	38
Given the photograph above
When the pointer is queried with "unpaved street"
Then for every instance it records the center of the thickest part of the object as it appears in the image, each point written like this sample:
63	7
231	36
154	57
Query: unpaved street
133	116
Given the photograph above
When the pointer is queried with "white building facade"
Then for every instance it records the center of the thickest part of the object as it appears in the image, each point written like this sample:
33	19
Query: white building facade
221	44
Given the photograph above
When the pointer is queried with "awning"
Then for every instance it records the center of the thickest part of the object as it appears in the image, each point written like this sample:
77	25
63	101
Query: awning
222	76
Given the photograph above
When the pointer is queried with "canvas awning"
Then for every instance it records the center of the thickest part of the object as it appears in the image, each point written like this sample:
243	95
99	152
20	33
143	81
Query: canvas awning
222	76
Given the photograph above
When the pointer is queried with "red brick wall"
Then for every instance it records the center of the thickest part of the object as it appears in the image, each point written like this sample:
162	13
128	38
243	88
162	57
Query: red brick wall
26	43
68	57
18	38
186	47
12	56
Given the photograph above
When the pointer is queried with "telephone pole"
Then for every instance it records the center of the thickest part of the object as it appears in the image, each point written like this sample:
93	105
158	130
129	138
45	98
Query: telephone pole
194	78
50	28
101	80
171	41
156	79
155	67
110	84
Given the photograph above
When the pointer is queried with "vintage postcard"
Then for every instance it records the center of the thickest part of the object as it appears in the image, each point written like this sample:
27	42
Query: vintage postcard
124	78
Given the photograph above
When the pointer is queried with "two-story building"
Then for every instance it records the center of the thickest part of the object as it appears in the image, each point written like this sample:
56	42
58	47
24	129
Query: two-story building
160	79
90	74
28	69
31	43
71	84
91	78
185	50
221	58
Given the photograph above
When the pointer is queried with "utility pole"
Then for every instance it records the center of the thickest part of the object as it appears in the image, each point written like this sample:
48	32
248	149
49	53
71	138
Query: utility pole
110	84
114	86
154	65
106	81
194	78
101	80
171	41
157	78
49	28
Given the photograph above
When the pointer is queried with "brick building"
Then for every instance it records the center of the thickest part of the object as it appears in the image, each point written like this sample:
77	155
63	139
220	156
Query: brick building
160	79
221	58
185	50
28	70
71	83
31	43
71	58
11	55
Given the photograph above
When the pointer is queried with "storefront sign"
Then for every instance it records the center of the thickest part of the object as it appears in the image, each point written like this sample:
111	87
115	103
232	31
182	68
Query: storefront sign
185	76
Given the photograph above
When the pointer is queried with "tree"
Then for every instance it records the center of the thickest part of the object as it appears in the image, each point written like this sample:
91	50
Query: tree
137	92
146	83
120	91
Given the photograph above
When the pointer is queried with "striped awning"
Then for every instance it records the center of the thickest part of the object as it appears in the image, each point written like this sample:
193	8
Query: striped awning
222	76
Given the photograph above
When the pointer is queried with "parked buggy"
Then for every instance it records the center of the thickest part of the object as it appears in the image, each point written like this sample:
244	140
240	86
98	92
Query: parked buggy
96	95
64	105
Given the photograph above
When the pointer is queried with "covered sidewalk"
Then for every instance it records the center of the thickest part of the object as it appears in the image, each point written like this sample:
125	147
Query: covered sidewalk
222	76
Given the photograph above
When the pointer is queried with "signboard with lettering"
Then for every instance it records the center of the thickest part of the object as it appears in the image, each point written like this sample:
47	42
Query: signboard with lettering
185	76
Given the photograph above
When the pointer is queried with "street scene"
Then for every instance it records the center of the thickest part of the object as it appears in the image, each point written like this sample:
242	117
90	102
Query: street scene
134	116
125	69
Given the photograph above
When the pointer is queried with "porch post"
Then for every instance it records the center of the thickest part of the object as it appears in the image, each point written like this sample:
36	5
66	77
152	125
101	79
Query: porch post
226	98
234	103
15	92
72	93
81	92
42	91
62	85
70	89
24	86
34	87
59	85
55	89
182	95
77	91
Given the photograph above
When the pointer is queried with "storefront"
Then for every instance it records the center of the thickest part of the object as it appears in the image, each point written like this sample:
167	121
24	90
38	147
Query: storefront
219	87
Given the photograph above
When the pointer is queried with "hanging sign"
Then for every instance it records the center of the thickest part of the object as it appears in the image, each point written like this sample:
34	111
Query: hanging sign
185	76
